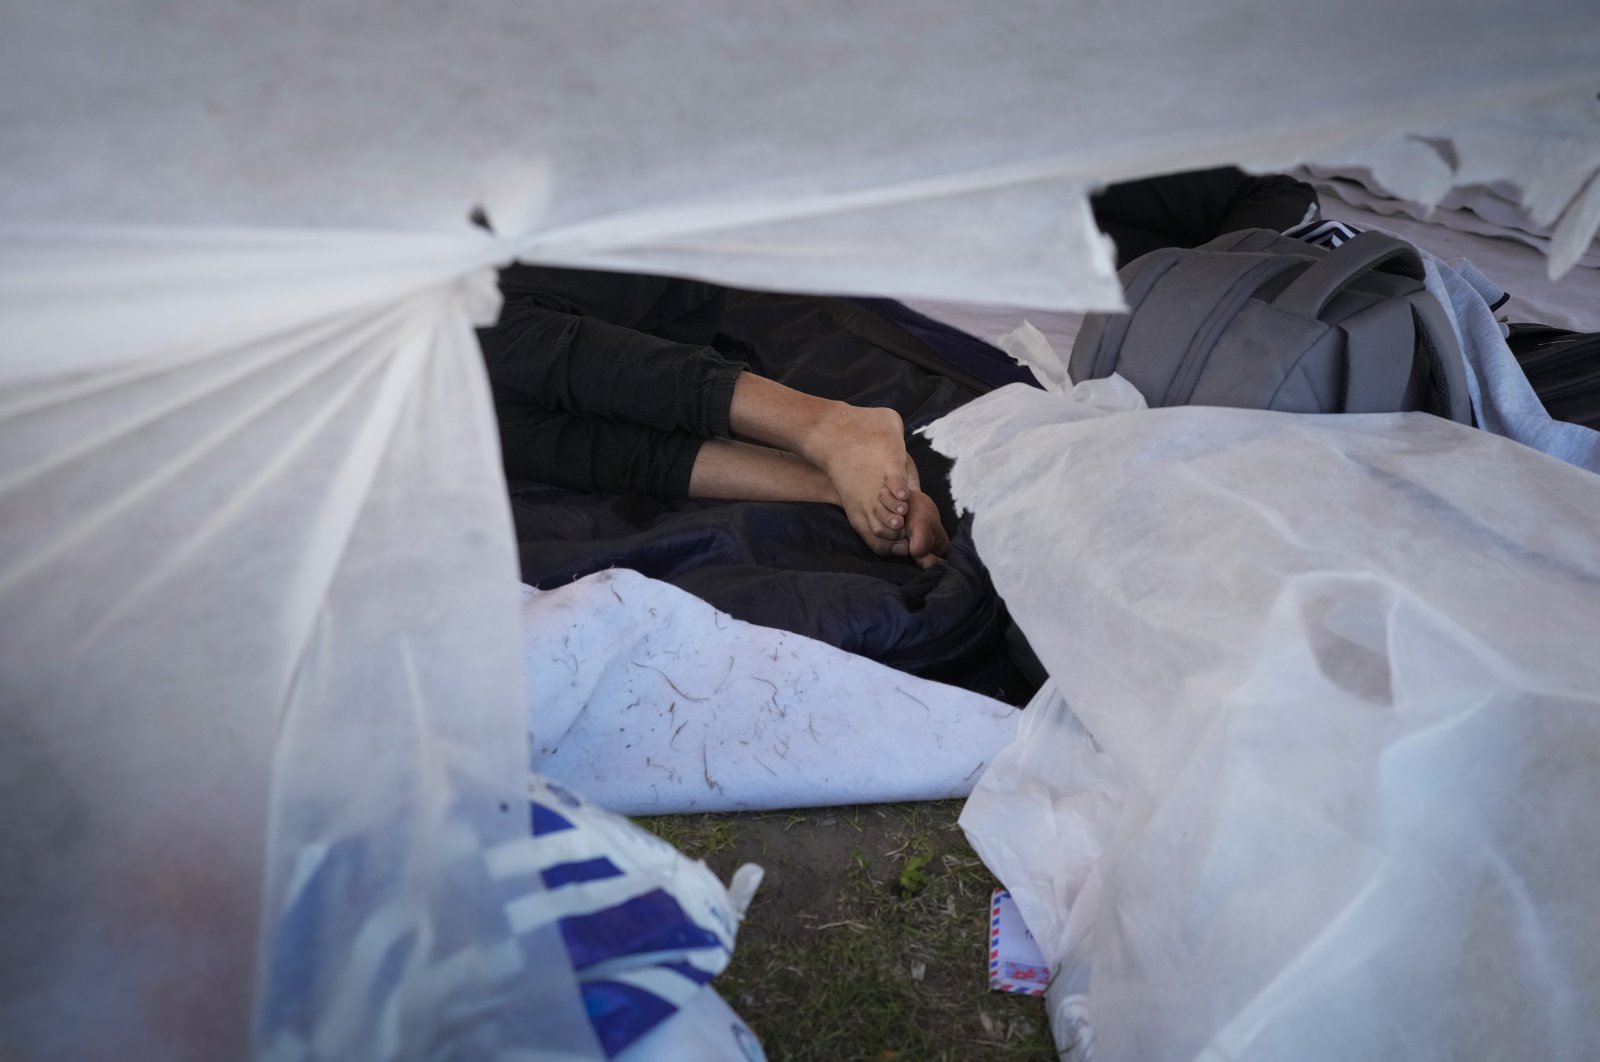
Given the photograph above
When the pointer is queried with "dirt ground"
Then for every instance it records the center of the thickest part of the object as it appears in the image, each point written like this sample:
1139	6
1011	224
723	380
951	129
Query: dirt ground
868	938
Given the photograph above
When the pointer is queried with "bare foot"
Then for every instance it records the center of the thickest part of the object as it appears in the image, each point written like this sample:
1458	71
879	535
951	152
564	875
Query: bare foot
862	451
926	541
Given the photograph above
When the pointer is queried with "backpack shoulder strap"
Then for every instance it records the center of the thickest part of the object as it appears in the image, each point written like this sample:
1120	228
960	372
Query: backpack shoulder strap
1311	290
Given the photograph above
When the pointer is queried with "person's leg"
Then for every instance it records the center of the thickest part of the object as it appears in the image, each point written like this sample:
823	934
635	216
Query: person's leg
539	357
737	471
591	368
683	311
584	454
741	471
595	456
861	449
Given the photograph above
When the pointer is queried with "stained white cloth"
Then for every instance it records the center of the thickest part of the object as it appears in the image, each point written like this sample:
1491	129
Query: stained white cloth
654	702
1344	702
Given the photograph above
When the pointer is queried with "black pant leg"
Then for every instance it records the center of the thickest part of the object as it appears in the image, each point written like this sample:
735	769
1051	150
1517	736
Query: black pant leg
685	311
606	382
583	365
594	456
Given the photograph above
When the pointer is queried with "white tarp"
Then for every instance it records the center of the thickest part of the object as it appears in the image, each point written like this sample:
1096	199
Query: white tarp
257	586
1340	678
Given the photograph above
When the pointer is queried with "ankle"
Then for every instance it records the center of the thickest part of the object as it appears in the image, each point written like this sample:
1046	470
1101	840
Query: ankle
827	432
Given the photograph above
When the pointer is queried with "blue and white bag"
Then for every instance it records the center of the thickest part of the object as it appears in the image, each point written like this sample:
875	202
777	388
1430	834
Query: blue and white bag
645	927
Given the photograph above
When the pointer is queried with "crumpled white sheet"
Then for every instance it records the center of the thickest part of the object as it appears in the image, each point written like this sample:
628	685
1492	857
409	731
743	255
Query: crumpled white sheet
1341	681
650	701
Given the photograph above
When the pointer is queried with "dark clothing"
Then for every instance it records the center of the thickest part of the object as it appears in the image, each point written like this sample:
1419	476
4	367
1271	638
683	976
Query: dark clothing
1188	209
800	566
1563	367
607	382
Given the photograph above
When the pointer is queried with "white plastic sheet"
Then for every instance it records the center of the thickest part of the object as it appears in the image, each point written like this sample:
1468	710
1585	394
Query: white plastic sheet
1340	678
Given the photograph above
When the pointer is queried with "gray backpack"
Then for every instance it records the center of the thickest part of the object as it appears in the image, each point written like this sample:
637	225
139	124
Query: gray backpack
1258	320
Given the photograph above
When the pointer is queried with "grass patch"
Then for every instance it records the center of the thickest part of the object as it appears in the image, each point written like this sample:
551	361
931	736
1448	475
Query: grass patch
868	938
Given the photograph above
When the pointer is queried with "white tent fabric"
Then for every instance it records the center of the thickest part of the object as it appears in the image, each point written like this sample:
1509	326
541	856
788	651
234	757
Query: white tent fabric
1340	678
244	558
932	149
257	587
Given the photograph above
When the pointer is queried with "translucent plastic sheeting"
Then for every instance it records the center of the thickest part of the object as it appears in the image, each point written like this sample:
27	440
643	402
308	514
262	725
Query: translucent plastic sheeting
934	148
653	702
1341	679
259	667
